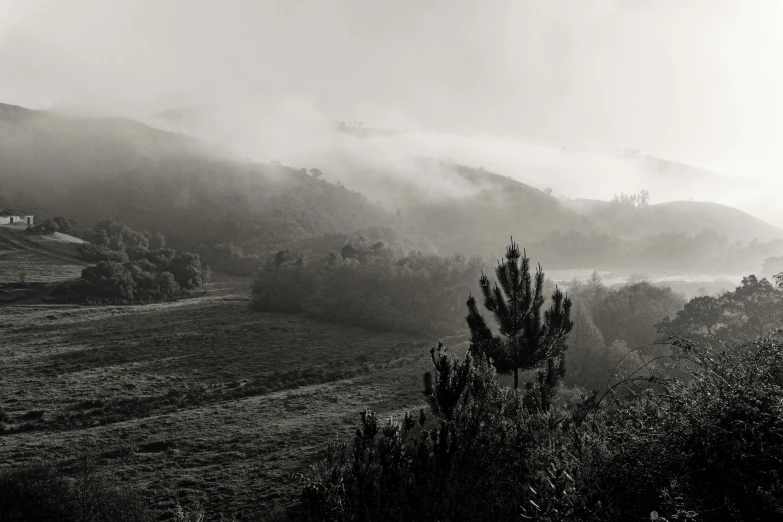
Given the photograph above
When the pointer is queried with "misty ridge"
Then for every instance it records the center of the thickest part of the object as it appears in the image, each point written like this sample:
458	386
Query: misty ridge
196	192
355	261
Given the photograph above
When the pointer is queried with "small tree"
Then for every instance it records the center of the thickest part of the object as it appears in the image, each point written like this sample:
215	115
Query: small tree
64	225
525	341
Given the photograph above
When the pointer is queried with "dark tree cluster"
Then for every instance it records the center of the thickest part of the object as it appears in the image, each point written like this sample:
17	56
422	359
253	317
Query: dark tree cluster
368	284
754	308
50	226
704	448
132	267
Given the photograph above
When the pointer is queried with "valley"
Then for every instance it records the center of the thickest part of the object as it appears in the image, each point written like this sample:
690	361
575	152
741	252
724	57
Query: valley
345	261
202	399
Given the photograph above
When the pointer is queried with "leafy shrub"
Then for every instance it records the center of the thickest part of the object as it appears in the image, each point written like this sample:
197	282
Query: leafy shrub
702	443
65	225
484	456
44	228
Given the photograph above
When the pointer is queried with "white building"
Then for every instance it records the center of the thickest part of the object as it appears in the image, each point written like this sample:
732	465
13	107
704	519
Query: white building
12	216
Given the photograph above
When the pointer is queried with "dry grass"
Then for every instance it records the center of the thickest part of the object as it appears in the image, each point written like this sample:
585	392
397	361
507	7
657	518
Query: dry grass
42	259
202	396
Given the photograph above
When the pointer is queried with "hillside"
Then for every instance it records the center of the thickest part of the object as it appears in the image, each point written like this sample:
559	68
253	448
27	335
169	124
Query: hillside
200	196
89	169
490	209
688	217
42	259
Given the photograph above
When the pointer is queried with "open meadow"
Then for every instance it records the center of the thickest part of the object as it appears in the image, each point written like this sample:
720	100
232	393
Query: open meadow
37	259
204	399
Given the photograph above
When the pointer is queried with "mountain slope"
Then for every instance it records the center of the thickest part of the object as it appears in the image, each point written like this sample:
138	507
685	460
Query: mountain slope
491	210
687	217
89	169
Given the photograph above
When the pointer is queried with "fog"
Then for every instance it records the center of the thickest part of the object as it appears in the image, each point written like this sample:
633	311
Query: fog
294	131
542	91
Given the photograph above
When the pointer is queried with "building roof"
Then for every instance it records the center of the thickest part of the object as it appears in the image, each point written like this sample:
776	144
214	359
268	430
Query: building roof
12	212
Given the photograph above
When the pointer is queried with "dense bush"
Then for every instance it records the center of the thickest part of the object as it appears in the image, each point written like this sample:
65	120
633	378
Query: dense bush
132	267
44	228
474	461
752	309
611	324
369	285
698	436
56	224
706	446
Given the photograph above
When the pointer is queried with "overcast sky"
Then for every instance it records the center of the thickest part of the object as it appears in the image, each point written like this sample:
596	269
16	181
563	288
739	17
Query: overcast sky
695	81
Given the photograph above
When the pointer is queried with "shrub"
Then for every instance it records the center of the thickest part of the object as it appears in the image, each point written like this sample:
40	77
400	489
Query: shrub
704	442
128	272
39	493
65	225
44	227
483	457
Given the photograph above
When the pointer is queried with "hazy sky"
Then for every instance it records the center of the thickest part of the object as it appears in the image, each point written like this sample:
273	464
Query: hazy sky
696	81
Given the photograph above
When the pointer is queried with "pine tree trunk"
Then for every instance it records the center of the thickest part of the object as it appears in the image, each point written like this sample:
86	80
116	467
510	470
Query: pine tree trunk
516	378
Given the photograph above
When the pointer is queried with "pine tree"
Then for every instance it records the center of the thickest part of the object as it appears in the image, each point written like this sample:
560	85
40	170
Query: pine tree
526	342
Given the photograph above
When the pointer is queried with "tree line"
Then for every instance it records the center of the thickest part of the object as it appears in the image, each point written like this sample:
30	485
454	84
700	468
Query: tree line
367	284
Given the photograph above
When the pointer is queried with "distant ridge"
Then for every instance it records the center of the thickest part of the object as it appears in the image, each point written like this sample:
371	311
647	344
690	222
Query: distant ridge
15	113
687	217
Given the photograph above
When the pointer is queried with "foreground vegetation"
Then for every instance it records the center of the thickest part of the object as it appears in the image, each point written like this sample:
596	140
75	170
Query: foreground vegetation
201	400
702	447
206	406
697	437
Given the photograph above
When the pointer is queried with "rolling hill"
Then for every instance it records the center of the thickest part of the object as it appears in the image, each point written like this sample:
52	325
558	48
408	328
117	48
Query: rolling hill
37	259
90	169
491	209
200	195
687	217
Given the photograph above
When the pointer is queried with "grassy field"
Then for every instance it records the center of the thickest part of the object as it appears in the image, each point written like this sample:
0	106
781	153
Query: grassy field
203	398
37	259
